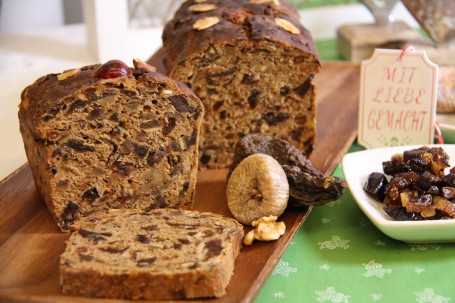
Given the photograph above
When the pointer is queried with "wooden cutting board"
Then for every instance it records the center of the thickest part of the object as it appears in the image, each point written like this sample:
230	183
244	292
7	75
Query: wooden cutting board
30	243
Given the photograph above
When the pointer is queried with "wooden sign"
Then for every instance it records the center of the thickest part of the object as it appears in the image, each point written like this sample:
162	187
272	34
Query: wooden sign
397	98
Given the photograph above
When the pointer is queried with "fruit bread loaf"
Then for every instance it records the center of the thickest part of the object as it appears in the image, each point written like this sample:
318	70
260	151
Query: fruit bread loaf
162	254
109	136
252	64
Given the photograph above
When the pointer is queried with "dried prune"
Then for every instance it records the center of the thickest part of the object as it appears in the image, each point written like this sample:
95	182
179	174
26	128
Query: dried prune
140	150
78	145
181	104
285	90
395	166
205	158
123	168
184	241
190	141
253	98
115	248
84	257
217	105
145	262
213	78
449	180
214	248
94	236
376	185
223	73
274	118
177	246
78	104
70	213
185	188
143	239
95	113
304	87
54	171
169	126
114	117
91	195
400	214
428	181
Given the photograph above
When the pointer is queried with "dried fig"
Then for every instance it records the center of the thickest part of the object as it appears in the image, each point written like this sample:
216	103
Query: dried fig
257	187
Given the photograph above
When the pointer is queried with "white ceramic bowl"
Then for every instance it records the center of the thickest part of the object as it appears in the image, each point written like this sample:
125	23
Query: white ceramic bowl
356	168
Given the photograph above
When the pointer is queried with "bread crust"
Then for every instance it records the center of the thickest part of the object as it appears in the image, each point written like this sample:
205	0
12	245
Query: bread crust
239	20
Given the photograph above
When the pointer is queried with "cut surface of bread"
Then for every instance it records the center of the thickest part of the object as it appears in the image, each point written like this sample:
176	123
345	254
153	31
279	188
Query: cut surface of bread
162	254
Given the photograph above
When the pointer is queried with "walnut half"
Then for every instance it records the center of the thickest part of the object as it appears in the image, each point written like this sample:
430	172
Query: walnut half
266	229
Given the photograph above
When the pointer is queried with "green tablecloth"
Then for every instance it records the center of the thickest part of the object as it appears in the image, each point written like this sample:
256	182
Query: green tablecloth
338	255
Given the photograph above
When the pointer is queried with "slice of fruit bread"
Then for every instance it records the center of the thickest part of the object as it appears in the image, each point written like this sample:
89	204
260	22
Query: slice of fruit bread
163	254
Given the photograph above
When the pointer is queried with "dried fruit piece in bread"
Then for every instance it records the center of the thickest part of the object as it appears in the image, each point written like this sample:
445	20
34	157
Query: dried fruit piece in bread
163	254
252	64
109	136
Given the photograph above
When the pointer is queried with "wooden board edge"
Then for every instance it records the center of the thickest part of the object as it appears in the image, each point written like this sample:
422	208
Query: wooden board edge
13	175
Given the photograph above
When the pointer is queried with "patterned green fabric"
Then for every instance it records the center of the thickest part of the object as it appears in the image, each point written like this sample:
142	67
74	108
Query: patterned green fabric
338	255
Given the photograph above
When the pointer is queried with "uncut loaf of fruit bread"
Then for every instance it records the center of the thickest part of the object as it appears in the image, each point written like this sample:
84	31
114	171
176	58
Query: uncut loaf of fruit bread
251	63
162	254
110	136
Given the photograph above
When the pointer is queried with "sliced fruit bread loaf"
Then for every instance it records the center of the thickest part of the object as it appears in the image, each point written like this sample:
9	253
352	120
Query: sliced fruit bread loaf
162	254
110	136
252	64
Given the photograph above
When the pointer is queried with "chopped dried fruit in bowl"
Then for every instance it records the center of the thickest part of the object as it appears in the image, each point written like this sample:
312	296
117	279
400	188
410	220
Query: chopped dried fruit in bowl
414	185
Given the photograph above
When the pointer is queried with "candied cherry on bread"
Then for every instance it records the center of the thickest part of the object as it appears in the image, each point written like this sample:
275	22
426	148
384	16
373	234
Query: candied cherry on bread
113	69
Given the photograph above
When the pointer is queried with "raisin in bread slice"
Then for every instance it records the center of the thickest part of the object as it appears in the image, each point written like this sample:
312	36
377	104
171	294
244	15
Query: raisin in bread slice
162	254
252	64
109	136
